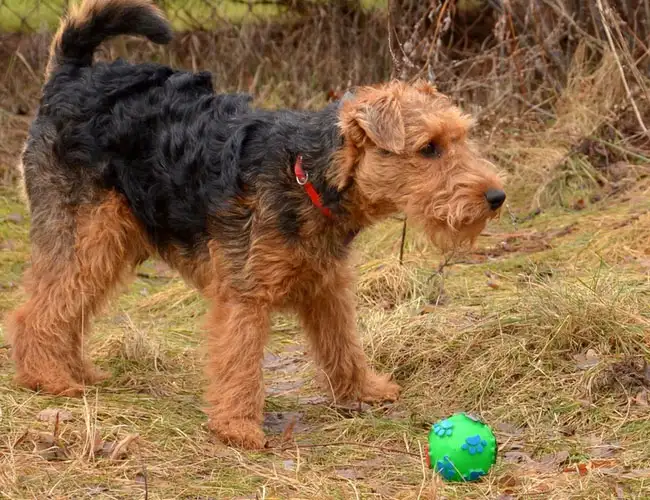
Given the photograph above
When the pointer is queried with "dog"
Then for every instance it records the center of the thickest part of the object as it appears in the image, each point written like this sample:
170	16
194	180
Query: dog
254	208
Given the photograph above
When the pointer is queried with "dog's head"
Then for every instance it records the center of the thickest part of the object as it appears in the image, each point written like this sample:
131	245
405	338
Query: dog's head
406	148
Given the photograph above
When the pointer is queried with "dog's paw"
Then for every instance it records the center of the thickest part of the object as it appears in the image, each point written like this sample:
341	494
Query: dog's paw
379	388
92	375
239	433
56	386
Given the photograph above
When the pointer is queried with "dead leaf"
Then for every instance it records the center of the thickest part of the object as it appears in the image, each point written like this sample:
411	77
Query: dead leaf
494	285
101	448
604	451
120	449
352	408
517	457
587	360
547	463
98	443
285	387
567	430
289	465
51	414
56	430
428	309
641	398
580	204
619	170
507	428
96	490
554	460
271	359
105	449
386	305
44	439
313	400
49	447
286	364
277	422
349	473
287	435
140	478
583	468
639	473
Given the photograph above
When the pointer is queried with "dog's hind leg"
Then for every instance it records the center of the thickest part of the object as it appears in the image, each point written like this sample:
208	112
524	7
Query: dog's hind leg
78	257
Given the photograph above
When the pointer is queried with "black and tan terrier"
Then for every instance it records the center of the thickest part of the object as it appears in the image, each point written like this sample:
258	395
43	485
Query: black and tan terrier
254	208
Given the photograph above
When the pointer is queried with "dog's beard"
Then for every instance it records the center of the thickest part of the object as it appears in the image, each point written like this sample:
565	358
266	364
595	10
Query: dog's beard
460	228
449	239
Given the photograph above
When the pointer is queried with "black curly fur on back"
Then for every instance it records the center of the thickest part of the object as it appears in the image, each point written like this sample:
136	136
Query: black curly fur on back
185	157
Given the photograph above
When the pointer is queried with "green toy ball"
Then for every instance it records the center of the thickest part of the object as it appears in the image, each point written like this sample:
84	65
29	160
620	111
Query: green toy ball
461	448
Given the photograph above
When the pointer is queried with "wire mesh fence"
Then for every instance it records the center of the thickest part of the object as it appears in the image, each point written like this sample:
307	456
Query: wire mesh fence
28	16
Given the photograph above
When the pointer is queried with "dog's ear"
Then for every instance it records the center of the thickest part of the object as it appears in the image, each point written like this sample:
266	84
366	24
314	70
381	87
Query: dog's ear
379	120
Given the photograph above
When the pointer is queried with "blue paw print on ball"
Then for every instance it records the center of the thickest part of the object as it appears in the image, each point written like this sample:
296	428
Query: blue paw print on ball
474	475
444	428
474	445
446	468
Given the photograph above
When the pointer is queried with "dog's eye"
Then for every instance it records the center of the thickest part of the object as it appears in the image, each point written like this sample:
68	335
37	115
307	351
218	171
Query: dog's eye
431	150
384	152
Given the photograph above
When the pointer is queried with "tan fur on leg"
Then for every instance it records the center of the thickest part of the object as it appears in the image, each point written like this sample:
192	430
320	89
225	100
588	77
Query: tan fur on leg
328	316
237	333
47	332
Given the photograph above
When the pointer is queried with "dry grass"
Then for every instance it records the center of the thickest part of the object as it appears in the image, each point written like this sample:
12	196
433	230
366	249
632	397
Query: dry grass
543	329
548	349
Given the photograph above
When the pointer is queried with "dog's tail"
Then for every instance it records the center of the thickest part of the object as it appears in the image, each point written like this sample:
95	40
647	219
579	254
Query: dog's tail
92	22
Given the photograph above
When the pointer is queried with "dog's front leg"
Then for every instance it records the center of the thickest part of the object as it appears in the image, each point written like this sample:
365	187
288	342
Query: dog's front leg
237	333
328	315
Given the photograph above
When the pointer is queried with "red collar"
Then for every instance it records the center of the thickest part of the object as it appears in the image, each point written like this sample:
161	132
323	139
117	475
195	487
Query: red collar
302	178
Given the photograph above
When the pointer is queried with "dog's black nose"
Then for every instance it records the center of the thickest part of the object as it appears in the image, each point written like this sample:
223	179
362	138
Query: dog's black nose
495	197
